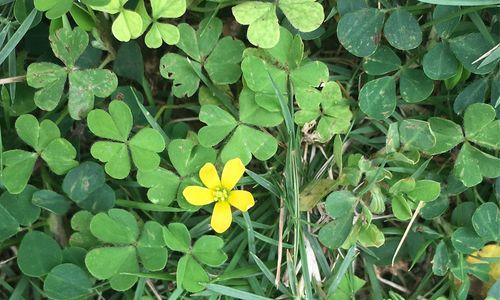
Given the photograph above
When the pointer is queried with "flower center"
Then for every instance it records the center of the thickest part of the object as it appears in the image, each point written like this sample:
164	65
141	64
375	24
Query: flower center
220	194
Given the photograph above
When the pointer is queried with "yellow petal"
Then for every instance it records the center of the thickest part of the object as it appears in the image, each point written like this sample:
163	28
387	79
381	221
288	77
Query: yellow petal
242	200
197	195
221	216
209	177
233	170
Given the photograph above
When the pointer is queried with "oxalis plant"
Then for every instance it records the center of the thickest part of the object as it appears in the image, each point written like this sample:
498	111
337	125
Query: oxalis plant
172	149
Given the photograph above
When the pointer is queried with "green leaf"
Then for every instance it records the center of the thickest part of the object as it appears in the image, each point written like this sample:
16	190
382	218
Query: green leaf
295	10
180	70
474	92
371	236
247	141
383	61
187	157
20	207
359	31
486	221
60	156
440	260
414	85
18	166
468	48
168	8
253	114
219	124
177	237
8	224
159	33
68	45
53	8
37	135
425	190
481	126
439	63
127	26
416	134
400	208
347	288
82	237
190	275
377	98
448	135
84	85
402	30
108	263
208	250
263	30
67	281
162	184
446	29
85	185
51	201
50	79
151	247
466	241
116	227
340	203
38	254
461	2
116	125
336	232
222	64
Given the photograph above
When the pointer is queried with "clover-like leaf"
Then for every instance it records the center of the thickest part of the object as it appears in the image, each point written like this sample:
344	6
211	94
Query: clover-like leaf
359	31
38	253
377	98
414	85
439	63
127	25
190	274
208	250
68	45
334	111
416	134
402	30
468	48
119	228
115	126
82	237
383	61
220	58
448	134
53	8
177	237
472	165
45	139
263	30
163	185
161	32
283	60
481	126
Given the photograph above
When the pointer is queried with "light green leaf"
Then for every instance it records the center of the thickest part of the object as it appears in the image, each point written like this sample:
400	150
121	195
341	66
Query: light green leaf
162	185
178	69
177	237
168	8
187	157
190	275
377	98
371	236
208	250
60	156
336	232
425	190
151	247
253	114
144	147
18	166
116	227
219	124
222	64
340	203
400	208
295	10
127	26
53	8
247	141
263	30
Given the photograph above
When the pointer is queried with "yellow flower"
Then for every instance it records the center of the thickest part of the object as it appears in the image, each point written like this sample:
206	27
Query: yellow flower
488	251
220	191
